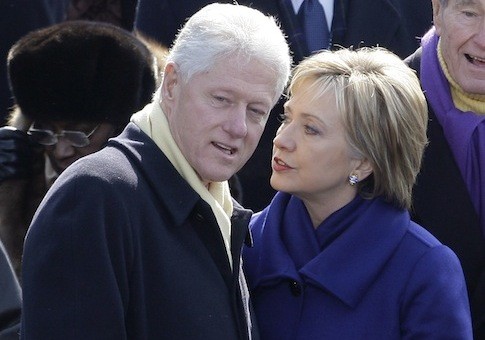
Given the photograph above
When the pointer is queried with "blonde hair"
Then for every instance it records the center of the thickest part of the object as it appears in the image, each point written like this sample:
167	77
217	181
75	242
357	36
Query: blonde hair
383	110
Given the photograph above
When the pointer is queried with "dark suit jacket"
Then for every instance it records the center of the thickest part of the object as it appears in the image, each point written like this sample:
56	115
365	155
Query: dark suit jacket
442	205
389	23
123	248
395	24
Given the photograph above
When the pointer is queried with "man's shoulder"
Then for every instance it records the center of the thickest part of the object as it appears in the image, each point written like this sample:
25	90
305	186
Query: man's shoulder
121	158
414	60
108	170
106	163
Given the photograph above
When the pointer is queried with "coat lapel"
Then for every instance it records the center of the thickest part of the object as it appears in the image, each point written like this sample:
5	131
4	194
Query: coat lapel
345	276
293	30
349	265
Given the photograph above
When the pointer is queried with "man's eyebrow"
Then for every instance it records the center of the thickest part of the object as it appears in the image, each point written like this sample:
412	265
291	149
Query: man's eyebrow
465	2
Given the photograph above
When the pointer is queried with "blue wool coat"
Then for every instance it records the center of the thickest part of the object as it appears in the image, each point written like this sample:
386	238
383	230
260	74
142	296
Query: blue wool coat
123	248
384	277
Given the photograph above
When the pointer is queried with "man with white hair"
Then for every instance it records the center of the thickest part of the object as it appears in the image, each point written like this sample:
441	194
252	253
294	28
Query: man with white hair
142	239
449	196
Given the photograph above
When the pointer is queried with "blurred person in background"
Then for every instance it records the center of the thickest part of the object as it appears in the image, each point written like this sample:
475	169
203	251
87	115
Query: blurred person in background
19	17
75	85
10	299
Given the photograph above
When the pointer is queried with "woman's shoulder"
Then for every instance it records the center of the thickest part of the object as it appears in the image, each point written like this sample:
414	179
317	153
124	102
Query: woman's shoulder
421	235
427	248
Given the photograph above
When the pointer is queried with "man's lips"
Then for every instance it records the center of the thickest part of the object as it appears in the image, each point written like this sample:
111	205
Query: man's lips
475	60
225	148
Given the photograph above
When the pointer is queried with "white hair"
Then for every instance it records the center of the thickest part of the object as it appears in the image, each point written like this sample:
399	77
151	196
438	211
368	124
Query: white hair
219	31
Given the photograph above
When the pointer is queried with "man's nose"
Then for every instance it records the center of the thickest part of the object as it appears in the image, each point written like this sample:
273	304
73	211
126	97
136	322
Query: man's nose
236	124
63	148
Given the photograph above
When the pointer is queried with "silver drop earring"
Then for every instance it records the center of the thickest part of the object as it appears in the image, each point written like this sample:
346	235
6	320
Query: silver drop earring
353	180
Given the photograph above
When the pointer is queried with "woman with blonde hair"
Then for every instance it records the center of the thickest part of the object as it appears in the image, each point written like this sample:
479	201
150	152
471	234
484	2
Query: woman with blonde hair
335	254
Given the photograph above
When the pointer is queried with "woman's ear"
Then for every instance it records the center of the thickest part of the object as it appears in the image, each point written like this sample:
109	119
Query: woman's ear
363	169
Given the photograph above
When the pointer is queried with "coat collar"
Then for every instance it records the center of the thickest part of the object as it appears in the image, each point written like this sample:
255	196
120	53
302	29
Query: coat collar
172	190
347	267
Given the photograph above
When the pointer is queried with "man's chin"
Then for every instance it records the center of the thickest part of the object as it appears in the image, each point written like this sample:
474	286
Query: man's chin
473	83
476	87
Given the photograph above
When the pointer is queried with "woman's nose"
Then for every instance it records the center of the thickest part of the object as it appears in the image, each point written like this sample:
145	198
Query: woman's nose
284	138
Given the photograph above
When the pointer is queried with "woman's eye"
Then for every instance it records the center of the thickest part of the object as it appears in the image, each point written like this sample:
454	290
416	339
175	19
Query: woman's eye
282	118
311	130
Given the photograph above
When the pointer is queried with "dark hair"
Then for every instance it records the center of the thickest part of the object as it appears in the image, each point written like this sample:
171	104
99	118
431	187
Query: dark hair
81	71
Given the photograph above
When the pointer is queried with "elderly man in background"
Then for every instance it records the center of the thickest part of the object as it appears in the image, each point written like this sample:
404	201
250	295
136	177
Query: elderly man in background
449	197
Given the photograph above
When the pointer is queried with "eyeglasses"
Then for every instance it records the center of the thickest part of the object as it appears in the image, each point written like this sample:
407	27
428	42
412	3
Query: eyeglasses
77	139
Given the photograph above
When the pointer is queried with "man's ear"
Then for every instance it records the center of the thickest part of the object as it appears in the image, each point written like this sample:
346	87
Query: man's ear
171	77
437	15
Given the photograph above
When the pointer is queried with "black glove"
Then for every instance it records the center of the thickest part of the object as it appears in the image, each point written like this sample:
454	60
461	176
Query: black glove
17	153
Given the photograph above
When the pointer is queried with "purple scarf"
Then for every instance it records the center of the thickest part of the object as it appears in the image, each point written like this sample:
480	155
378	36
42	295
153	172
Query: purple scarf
297	228
464	131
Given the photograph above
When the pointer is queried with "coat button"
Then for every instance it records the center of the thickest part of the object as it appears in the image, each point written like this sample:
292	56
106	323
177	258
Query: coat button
199	217
295	288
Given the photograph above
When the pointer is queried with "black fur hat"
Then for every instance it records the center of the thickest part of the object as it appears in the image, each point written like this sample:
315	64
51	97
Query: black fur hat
81	71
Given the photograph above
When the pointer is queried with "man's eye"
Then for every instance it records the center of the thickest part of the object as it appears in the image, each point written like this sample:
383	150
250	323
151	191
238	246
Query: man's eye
469	14
258	112
220	99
